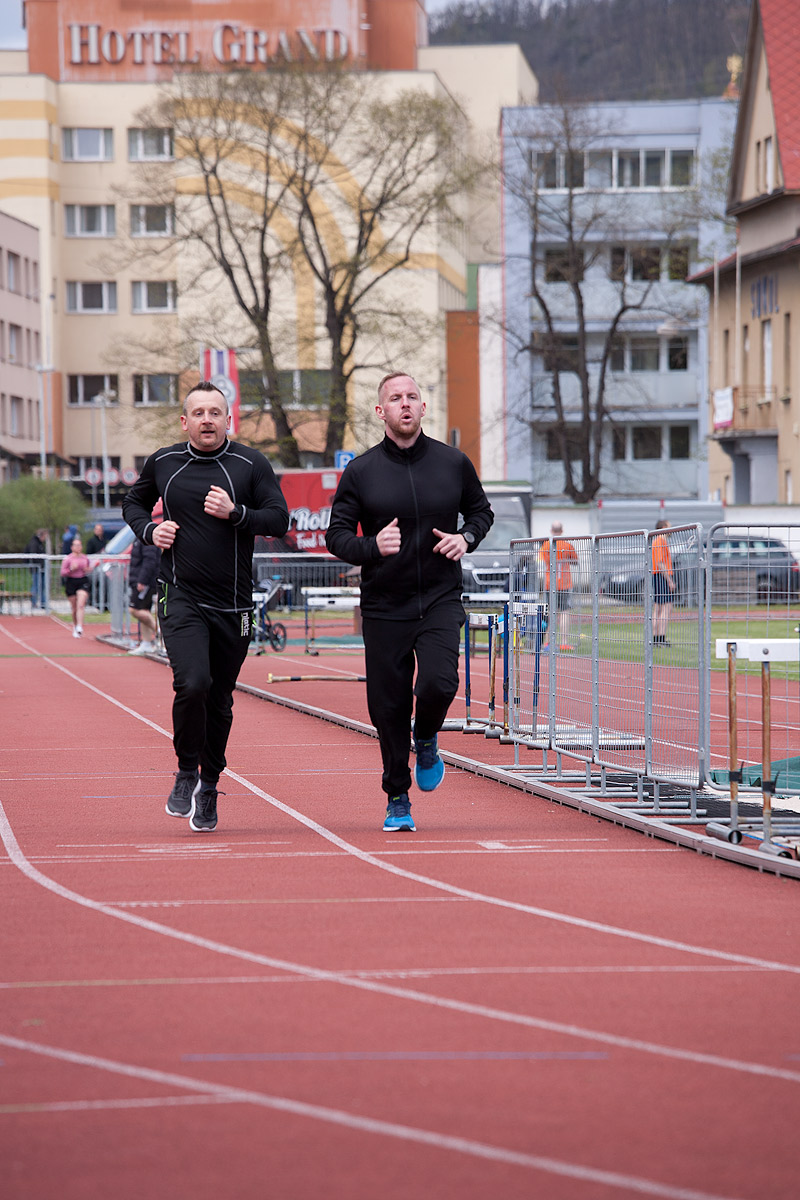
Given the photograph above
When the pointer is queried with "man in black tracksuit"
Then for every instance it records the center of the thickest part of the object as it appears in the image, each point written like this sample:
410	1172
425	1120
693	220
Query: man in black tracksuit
407	494
217	495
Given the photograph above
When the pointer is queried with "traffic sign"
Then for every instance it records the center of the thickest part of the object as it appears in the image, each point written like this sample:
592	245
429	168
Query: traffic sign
341	458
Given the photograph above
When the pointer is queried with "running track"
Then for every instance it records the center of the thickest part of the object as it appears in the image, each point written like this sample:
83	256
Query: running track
518	1001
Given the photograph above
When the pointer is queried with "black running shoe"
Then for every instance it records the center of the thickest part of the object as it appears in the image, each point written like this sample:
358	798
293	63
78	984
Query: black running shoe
204	809
179	801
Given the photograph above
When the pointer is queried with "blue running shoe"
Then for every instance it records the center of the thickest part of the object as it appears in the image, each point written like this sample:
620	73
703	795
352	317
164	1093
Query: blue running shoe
398	815
429	768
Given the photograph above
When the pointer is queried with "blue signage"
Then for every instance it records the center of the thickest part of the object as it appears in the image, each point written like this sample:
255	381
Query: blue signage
341	458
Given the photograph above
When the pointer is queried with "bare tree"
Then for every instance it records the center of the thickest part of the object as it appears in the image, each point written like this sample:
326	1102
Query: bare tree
303	192
598	260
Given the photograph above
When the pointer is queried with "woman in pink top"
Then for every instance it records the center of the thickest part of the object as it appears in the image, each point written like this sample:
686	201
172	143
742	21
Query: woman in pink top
75	573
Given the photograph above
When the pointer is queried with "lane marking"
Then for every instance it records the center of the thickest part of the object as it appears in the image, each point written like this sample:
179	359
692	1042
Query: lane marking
373	860
407	1133
383	973
634	1044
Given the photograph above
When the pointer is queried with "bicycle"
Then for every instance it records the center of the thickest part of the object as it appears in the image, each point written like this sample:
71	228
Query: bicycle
265	628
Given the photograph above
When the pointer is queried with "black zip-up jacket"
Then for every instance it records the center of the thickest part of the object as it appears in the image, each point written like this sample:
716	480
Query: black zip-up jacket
425	487
210	559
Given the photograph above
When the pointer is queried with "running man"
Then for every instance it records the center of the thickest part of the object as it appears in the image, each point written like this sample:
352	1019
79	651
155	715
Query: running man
217	496
406	493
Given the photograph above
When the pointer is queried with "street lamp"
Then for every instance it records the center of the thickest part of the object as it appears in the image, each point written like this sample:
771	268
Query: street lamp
107	396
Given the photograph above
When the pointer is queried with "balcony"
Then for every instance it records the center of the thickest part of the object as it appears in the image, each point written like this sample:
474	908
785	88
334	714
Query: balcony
748	408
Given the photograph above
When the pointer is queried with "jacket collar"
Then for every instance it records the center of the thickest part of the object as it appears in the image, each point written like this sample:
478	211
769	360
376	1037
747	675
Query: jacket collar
208	454
412	454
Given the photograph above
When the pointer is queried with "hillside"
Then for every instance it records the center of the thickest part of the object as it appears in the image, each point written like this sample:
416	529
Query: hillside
608	49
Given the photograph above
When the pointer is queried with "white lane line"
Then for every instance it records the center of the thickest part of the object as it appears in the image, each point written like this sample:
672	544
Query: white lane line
479	897
407	1133
634	1044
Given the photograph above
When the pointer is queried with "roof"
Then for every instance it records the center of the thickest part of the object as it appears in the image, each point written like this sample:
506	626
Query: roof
780	22
755	256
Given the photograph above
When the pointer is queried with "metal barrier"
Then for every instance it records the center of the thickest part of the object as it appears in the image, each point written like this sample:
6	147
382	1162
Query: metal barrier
298	571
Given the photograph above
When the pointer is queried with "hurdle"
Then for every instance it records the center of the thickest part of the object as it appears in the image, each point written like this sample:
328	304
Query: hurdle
734	830
328	599
489	611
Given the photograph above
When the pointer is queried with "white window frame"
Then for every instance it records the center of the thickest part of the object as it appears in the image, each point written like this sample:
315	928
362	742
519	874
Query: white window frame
137	217
146	402
69	145
138	150
110	386
74	224
141	301
75	298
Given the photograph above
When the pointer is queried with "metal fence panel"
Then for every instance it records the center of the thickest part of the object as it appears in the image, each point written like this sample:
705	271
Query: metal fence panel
753	594
298	571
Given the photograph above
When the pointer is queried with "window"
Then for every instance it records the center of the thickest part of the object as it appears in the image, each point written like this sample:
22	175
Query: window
90	220
618	440
726	357
645	263
644	354
680	168
92	297
14	343
678	262
560	353
14	273
548	170
87	145
678	354
82	389
307	389
573	170
155	389
598	169
145	145
152	220
654	168
769	166
766	355
17	424
618	262
646	441
616	354
787	356
574	444
628	169
679	441
557	267
153	296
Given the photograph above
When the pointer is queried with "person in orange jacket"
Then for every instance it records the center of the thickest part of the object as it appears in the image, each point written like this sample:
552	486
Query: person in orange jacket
663	585
565	556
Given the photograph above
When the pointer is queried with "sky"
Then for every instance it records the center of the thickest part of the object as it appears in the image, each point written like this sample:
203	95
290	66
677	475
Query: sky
13	36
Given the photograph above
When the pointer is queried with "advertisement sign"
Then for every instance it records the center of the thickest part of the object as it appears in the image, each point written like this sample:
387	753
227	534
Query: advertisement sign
309	495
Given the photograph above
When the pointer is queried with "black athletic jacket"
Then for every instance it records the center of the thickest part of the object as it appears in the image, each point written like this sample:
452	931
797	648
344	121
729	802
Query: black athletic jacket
425	486
210	559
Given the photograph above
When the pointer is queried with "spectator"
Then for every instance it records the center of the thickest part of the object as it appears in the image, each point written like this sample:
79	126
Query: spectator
143	577
37	544
663	585
565	556
97	541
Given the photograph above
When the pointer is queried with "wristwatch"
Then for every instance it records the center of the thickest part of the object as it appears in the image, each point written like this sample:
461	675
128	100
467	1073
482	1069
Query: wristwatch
468	537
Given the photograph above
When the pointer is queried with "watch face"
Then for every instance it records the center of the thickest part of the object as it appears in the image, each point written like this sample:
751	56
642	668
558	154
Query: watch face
469	538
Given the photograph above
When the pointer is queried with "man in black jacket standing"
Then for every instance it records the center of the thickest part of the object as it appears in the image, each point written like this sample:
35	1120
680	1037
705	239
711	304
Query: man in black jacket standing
407	494
217	495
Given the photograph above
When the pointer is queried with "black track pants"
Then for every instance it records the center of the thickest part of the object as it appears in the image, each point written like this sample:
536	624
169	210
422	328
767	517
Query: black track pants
206	650
392	649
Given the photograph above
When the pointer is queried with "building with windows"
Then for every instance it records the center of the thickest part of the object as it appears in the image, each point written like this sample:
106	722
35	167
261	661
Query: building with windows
605	212
125	298
22	429
754	372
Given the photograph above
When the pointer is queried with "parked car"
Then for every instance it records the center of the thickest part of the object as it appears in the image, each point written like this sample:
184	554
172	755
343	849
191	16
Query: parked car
752	569
487	568
624	573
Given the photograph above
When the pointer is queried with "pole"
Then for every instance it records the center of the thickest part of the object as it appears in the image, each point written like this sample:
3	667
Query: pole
42	425
104	445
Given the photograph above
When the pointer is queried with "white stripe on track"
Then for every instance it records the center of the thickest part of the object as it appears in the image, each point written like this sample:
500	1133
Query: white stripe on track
634	1044
335	1116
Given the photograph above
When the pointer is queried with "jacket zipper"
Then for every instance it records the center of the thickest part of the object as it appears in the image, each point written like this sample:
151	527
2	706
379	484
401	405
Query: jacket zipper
416	548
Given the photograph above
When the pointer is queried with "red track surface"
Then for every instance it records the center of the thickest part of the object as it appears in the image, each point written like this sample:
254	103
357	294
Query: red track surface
518	1001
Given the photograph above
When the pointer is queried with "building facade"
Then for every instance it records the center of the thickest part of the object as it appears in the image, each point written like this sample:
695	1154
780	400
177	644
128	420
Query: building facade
604	217
754	372
22	429
126	301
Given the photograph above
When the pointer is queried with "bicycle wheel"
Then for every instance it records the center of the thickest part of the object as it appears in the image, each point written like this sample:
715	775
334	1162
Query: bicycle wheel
277	636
